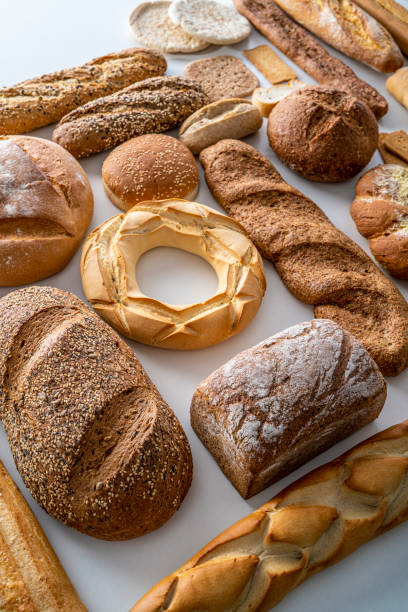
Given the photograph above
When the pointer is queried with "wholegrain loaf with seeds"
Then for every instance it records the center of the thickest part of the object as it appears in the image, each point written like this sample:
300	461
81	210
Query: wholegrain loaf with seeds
93	440
154	105
45	99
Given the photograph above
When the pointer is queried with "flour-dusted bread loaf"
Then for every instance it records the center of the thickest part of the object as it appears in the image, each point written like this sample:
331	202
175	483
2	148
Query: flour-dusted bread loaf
32	578
44	100
343	25
95	443
154	105
278	404
303	49
312	524
317	262
392	15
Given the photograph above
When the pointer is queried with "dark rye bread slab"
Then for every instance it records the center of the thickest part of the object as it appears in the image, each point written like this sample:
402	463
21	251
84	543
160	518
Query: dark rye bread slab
95	443
278	404
317	262
152	106
303	49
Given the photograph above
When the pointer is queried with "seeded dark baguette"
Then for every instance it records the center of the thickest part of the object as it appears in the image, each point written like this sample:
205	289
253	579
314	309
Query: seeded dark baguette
45	99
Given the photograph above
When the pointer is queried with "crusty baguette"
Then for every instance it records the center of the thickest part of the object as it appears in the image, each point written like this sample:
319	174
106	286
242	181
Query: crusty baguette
44	100
317	262
32	578
310	525
155	105
392	15
343	25
302	48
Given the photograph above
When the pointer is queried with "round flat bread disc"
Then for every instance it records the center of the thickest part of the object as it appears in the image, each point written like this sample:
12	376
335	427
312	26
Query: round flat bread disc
152	27
210	21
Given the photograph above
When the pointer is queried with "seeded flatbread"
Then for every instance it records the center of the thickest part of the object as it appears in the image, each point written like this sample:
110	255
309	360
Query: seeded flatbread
151	25
209	20
222	76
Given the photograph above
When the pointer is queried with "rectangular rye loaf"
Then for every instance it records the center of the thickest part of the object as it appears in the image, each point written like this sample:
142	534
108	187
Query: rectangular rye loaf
278	404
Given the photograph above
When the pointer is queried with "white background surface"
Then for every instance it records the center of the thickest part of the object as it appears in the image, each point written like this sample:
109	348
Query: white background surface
47	35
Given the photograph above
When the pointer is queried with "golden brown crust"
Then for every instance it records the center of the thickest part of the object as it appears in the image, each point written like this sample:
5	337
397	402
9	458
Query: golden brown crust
397	85
150	167
341	24
44	100
32	578
154	105
307	52
386	154
46	205
380	212
392	16
93	440
317	262
108	267
312	524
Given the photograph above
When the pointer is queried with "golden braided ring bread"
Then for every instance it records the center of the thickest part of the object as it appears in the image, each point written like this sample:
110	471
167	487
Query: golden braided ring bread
109	259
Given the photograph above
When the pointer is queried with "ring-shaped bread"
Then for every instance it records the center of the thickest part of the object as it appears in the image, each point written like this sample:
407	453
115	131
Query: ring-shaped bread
108	270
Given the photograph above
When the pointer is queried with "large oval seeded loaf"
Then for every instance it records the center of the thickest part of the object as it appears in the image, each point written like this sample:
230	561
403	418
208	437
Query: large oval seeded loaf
94	442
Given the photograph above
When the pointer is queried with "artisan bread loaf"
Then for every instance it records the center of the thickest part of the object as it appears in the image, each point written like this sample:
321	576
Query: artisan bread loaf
278	404
302	48
317	262
310	525
154	105
343	25
96	445
323	134
380	212
44	100
32	578
267	99
397	85
392	15
46	205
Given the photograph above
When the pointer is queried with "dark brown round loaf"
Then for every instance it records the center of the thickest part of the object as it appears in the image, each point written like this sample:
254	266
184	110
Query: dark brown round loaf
322	133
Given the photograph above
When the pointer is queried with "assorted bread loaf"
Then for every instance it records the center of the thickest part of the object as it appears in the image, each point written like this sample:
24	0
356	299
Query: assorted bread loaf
392	15
317	262
278	404
397	85
380	212
46	205
32	578
312	524
267	99
95	443
108	269
394	148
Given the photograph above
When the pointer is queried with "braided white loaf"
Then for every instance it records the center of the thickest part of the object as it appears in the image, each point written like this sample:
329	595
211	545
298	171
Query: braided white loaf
312	524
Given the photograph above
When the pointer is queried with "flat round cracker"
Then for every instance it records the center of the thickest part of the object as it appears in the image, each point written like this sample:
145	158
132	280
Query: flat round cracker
222	76
152	27
210	21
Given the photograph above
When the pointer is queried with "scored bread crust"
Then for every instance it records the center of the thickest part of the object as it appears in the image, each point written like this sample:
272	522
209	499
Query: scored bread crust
96	445
44	100
380	212
32	577
392	15
303	49
280	403
312	524
154	105
341	24
317	262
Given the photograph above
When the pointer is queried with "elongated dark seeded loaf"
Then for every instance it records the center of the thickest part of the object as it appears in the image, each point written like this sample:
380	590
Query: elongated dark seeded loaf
45	99
317	262
154	105
93	440
312	524
278	404
302	48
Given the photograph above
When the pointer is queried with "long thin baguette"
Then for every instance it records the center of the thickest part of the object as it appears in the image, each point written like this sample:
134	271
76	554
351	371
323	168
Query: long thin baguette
344	26
312	524
44	100
302	48
317	262
392	15
31	577
154	105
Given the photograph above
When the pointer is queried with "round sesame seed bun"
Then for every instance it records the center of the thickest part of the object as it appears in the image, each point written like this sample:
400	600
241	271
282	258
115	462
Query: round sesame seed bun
150	167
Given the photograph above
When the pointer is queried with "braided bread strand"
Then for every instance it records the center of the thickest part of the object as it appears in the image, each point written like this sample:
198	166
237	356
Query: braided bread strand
315	522
317	262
